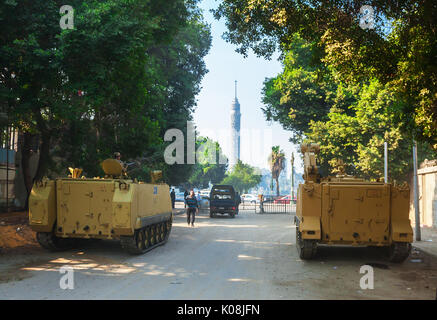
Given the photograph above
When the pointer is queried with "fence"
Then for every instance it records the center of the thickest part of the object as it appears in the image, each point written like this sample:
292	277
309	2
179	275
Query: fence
276	205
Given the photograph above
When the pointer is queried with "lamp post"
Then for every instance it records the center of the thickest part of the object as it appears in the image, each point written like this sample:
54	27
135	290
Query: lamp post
416	192
292	176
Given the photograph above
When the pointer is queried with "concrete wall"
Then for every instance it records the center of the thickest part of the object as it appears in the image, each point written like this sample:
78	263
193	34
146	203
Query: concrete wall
427	179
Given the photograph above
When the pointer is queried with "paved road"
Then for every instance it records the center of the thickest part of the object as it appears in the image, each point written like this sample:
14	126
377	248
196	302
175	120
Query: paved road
250	257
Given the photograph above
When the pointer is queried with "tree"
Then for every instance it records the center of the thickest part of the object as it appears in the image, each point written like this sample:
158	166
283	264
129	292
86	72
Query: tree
207	168
277	164
303	92
136	64
399	51
358	138
242	177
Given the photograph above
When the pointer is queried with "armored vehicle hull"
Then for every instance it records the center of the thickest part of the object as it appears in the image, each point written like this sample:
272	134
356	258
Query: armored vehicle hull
345	210
353	213
64	210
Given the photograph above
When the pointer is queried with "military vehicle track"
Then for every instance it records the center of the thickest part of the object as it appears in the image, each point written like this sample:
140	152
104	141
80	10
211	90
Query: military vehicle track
147	238
399	251
50	241
306	249
143	240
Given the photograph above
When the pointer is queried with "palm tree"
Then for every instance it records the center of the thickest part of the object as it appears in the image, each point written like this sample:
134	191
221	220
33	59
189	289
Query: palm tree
277	164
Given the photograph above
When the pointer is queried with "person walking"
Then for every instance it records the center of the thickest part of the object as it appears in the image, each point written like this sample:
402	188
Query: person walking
173	198
193	208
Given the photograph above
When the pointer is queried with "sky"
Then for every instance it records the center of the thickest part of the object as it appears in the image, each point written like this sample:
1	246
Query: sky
212	115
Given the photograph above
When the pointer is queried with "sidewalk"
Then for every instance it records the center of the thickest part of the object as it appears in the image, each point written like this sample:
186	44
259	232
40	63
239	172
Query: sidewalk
429	241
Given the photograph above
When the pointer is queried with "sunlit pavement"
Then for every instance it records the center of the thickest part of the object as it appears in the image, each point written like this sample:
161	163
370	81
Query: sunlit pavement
250	257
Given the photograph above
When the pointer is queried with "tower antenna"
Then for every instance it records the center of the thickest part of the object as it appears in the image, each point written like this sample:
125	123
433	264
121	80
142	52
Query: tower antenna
235	89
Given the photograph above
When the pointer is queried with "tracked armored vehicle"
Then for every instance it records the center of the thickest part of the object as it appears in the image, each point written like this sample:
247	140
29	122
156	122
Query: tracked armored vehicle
66	210
345	210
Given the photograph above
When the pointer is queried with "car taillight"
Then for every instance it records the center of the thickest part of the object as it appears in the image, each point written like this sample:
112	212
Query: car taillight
233	208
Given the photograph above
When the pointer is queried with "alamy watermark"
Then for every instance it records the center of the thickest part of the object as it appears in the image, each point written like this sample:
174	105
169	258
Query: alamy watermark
67	280
367	21
254	143
367	280
67	19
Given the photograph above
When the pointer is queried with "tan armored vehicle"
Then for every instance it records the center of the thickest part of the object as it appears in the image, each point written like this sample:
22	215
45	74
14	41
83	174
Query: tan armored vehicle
64	210
350	211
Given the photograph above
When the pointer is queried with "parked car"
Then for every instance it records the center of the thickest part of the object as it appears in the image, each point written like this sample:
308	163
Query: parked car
249	198
180	197
284	200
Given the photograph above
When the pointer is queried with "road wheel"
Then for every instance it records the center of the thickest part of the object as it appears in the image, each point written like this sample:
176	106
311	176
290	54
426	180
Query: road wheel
161	232
168	224
152	235
140	240
146	237
399	251
157	233
134	244
306	248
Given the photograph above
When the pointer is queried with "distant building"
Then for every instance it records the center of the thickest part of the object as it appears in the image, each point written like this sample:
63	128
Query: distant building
235	131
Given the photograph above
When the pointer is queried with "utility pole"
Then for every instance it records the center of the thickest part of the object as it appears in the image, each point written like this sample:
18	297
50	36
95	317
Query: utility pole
385	162
416	192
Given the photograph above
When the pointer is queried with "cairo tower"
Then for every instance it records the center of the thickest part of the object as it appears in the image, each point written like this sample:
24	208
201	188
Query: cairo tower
235	131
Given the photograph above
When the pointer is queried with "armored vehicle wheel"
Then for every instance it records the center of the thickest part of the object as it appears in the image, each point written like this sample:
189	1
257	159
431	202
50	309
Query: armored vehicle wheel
157	234
306	248
399	251
161	231
141	245
134	244
152	235
168	225
49	241
146	238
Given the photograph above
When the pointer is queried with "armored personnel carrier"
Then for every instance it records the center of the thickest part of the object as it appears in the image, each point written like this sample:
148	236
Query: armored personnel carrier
62	211
350	211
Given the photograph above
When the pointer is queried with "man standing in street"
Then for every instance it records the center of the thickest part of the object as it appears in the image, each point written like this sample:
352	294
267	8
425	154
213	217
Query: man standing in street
172	197
193	208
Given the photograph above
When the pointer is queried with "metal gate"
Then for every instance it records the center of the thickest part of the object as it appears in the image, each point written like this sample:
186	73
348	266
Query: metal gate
276	205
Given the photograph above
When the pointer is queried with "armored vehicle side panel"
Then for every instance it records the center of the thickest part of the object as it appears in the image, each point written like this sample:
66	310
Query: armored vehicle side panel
101	209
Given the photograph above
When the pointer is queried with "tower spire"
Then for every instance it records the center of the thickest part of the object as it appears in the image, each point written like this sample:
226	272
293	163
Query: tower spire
235	89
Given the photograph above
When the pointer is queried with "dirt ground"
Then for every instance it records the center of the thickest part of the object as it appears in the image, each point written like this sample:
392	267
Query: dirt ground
15	234
250	257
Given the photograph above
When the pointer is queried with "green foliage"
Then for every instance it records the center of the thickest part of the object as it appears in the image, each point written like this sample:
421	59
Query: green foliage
301	93
358	139
353	121
276	161
207	168
399	51
242	177
138	62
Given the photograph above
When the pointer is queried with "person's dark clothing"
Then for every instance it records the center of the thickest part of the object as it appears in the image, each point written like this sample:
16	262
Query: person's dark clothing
192	204
191	215
173	198
185	197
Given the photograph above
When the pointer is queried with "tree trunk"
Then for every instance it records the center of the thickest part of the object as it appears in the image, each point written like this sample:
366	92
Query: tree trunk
277	186
44	156
26	153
